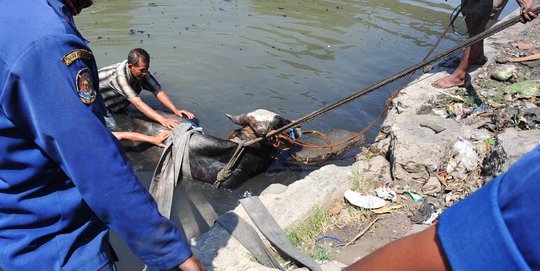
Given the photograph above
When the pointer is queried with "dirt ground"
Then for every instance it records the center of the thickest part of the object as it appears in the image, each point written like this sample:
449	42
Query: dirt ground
482	89
387	228
359	238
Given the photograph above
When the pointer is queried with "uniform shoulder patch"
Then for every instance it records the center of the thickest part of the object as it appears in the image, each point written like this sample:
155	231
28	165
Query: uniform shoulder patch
85	86
68	59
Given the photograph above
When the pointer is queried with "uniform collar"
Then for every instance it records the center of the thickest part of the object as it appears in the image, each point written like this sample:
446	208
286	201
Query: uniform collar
62	10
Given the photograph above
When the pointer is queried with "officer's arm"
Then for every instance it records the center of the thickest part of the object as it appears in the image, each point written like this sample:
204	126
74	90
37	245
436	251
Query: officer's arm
42	100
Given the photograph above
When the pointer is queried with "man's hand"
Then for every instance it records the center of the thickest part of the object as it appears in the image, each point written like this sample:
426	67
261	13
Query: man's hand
169	123
160	137
161	95
526	10
180	112
192	264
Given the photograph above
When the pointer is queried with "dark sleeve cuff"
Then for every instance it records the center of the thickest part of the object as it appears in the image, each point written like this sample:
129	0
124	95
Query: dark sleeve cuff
474	236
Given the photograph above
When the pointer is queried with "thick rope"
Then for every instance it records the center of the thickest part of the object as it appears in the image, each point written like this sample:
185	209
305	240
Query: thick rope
388	102
495	29
226	171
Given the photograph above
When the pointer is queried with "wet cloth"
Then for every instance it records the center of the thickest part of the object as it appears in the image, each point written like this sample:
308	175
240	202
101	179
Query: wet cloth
64	179
172	166
117	84
483	8
497	227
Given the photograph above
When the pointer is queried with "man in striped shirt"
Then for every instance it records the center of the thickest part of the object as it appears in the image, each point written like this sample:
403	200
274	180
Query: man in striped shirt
120	85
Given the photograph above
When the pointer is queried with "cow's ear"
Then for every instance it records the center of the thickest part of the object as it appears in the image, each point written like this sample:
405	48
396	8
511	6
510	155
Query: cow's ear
241	120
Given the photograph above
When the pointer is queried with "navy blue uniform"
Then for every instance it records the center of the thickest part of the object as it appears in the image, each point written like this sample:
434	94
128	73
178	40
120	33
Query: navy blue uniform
63	177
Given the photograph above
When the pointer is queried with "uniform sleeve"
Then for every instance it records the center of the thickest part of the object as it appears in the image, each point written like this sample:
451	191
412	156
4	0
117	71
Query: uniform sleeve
150	83
46	106
496	227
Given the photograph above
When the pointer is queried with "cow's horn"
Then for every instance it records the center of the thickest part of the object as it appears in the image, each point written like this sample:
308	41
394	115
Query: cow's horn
240	119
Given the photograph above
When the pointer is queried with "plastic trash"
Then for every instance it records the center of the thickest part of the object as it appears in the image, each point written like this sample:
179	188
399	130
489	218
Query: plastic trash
481	108
482	134
504	73
525	89
387	209
432	218
463	158
335	238
414	196
367	202
456	110
386	193
424	212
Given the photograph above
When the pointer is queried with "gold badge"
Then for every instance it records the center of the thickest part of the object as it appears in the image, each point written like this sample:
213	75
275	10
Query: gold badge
85	86
76	54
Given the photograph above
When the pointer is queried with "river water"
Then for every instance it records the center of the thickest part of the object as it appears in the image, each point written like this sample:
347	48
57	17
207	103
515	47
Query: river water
292	57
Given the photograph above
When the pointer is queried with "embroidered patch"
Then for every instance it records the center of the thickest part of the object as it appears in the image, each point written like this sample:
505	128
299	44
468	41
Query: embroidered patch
85	86
76	54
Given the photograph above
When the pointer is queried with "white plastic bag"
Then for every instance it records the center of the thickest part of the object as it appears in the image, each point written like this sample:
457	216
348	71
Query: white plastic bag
367	202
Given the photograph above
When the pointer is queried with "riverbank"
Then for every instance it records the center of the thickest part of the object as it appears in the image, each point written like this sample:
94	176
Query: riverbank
434	148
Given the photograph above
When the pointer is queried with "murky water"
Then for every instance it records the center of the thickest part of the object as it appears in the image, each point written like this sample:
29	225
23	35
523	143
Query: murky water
292	57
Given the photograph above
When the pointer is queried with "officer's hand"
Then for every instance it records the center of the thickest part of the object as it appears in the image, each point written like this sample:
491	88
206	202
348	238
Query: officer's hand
159	138
181	112
169	123
192	264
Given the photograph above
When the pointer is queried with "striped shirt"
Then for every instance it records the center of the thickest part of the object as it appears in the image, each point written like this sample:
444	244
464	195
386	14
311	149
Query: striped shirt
117	84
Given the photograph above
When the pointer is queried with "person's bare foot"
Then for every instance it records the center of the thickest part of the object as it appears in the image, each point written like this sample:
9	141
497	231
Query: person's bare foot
448	82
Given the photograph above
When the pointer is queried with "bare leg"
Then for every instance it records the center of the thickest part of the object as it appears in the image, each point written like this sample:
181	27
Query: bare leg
473	54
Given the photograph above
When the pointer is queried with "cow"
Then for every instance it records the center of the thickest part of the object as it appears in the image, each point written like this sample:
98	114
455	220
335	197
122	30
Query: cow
209	154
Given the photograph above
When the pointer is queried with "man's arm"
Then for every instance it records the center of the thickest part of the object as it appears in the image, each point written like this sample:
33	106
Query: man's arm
162	96
152	114
156	140
419	251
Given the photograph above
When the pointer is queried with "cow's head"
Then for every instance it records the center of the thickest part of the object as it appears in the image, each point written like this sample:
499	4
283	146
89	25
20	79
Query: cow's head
258	123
